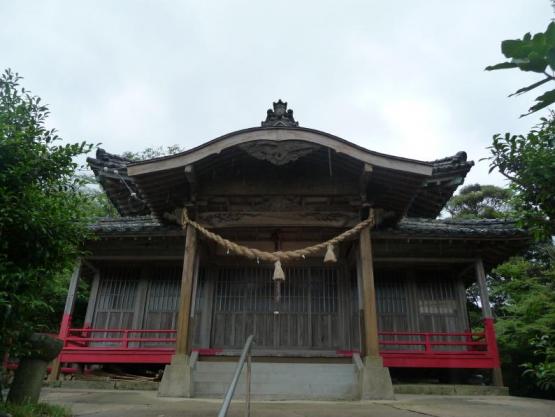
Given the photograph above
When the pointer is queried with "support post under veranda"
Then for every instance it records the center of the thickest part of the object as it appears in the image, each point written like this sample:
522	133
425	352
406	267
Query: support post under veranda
67	317
489	328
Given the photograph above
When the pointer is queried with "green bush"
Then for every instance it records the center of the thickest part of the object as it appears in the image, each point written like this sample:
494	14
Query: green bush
35	410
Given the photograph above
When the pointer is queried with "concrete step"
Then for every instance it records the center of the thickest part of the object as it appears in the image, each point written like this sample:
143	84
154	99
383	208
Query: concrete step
449	389
277	381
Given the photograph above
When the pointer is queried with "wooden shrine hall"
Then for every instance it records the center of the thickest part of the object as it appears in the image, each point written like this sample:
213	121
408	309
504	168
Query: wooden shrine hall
330	254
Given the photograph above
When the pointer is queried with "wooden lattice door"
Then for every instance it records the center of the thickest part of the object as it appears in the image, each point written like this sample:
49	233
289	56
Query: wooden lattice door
115	303
310	315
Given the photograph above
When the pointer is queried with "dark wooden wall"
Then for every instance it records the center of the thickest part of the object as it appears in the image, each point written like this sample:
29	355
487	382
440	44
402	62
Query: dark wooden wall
319	307
425	300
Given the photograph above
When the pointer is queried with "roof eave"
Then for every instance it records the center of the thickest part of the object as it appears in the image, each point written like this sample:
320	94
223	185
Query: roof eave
278	134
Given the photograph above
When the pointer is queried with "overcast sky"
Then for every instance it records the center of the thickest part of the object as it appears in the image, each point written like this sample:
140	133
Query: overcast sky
402	77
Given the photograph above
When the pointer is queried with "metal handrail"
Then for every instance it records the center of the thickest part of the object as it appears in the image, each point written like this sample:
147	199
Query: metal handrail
245	355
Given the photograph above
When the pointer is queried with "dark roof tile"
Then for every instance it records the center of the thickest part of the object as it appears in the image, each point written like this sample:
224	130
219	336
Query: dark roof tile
483	228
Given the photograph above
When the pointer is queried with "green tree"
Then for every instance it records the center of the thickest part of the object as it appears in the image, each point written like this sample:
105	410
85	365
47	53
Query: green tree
523	295
43	216
523	288
150	153
528	161
543	371
478	201
98	204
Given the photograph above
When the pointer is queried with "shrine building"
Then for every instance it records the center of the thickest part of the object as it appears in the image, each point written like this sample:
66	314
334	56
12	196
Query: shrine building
332	255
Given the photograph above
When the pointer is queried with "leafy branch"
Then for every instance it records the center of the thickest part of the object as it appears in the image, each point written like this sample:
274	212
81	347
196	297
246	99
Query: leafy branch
532	54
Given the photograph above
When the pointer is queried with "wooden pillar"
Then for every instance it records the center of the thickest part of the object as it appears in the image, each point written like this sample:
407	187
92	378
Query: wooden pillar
371	343
374	379
66	318
187	278
489	329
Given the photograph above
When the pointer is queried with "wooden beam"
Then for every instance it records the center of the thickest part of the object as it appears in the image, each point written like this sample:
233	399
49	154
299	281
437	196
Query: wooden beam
421	260
286	185
137	258
135	249
367	170
369	294
192	180
385	235
187	279
286	218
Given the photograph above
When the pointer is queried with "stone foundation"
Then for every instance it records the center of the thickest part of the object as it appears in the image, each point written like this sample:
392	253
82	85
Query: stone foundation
374	380
177	379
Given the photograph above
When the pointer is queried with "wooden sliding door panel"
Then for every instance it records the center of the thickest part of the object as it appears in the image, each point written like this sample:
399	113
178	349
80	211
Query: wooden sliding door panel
306	317
393	308
162	301
115	302
438	306
354	310
439	310
392	305
324	302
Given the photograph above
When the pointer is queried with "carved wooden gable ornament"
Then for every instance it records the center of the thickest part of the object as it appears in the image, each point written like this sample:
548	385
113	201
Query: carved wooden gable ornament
279	153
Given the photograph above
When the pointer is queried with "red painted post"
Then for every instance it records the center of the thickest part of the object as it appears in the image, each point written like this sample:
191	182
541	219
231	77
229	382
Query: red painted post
489	329
469	339
491	340
126	339
65	325
428	347
87	334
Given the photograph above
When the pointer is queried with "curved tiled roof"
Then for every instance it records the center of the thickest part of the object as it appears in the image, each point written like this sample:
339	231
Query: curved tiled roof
495	228
448	173
111	172
440	228
131	225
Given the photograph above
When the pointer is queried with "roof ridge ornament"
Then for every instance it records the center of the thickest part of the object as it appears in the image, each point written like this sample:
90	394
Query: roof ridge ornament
279	116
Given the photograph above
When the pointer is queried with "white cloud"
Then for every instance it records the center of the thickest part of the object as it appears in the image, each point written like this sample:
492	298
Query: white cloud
130	114
416	122
400	77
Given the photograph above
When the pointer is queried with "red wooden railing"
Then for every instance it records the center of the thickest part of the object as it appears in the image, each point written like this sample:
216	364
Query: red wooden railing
398	349
84	337
441	349
428	340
